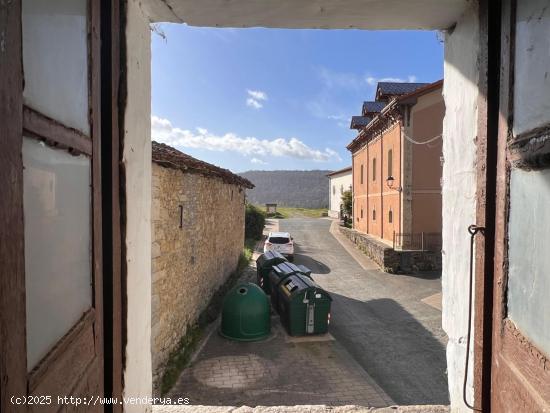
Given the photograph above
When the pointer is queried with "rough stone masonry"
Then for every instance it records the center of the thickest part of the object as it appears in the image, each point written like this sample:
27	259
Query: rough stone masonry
197	238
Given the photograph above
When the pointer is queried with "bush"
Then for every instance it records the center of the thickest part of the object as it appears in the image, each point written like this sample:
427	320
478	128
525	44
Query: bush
254	222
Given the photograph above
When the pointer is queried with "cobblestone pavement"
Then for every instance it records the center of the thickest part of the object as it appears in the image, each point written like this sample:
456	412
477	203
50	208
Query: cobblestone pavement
380	319
301	409
277	371
383	337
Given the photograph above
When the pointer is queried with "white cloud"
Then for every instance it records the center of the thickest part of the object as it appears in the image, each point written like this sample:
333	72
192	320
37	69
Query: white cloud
258	161
257	94
255	98
254	103
162	130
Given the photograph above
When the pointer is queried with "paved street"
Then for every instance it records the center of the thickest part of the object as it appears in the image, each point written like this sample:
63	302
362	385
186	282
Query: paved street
379	318
386	345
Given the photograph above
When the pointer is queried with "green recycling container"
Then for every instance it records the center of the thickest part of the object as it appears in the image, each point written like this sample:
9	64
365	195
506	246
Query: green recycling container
281	272
304	306
264	263
245	313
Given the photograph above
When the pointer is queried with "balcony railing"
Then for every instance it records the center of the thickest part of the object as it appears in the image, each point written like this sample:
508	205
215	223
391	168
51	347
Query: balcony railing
417	241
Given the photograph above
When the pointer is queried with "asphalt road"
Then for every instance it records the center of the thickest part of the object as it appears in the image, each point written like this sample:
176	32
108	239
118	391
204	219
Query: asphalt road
378	317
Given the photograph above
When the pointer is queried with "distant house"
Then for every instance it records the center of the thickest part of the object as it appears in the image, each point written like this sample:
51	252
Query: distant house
197	237
339	181
397	164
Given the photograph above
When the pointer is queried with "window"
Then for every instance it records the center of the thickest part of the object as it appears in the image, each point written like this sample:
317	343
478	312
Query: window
390	163
361	173
341	189
279	240
390	216
361	213
333	190
374	169
374	214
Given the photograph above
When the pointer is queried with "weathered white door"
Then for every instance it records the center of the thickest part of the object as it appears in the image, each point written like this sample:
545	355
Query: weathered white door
52	342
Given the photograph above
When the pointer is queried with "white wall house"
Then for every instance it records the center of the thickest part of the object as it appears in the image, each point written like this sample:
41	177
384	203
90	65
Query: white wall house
339	181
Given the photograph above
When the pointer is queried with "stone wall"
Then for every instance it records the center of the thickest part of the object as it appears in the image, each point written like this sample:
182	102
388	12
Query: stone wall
189	262
390	260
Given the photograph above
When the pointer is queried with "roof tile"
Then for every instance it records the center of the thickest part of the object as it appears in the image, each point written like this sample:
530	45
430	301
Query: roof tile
169	157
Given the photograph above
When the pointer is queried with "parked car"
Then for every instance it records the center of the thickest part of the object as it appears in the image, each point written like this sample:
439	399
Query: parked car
281	242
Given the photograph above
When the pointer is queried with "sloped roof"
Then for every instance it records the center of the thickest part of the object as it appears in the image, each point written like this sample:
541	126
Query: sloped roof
372	107
385	89
357	122
169	157
348	169
417	90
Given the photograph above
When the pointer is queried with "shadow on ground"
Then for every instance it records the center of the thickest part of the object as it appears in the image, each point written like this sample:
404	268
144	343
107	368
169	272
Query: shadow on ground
315	266
397	351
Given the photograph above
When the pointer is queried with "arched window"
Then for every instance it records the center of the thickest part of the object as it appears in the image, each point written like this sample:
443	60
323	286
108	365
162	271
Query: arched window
341	189
361	173
390	163
361	213
390	216
374	169
374	214
333	190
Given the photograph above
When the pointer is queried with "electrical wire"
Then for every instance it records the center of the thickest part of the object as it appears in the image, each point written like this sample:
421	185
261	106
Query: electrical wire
411	140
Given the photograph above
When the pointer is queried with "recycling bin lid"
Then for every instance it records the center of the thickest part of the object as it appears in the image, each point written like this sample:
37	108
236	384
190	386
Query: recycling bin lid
269	258
297	283
245	313
305	270
288	268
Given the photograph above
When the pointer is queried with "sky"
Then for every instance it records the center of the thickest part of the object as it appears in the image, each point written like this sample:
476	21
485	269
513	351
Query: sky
249	99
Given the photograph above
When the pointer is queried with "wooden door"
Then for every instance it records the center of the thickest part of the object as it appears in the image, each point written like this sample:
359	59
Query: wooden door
51	291
520	368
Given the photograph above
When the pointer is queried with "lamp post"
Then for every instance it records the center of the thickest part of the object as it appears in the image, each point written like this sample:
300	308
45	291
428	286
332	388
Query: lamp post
390	180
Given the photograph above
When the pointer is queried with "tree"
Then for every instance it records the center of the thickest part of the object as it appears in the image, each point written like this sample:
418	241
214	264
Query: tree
347	204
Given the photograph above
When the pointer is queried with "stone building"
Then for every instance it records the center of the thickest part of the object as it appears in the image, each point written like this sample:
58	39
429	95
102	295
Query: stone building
197	238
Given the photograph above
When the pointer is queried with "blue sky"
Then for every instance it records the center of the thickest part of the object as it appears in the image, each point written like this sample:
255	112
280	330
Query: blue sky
276	99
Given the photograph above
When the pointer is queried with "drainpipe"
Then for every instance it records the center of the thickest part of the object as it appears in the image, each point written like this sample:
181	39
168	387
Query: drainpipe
381	185
367	190
401	129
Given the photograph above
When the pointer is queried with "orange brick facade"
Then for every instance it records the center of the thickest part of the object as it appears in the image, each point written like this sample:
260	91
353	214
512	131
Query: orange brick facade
412	203
377	208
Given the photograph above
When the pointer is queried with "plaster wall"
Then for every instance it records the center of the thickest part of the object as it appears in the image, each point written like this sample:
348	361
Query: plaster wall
460	92
137	166
391	203
341	14
360	159
427	123
338	183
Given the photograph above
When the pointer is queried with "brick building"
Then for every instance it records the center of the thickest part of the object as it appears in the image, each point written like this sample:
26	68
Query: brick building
396	159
